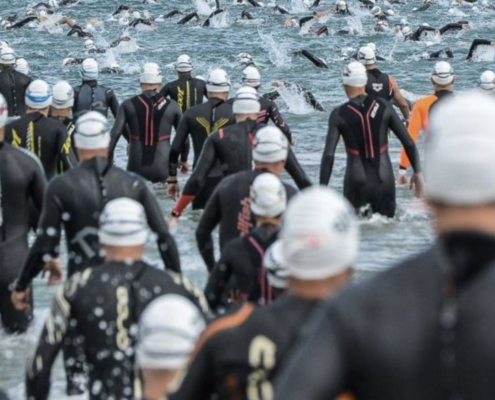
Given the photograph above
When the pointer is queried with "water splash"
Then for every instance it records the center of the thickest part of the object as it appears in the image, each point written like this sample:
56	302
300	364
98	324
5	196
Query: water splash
295	101
298	6
355	25
278	53
203	8
484	53
220	21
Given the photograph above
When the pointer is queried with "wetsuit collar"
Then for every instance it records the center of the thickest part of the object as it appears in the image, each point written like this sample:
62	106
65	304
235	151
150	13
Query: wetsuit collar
92	83
443	93
149	93
100	164
469	253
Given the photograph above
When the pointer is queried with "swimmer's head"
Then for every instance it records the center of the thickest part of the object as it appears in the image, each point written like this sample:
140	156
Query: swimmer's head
372	46
38	95
366	55
89	69
63	95
320	235
406	30
151	74
268	196
376	11
136	15
4	111
246	101
114	66
270	146
7	56
183	63
92	132
381	26
251	77
89	44
123	223
245	58
218	82
355	75
22	66
443	74
341	5
487	82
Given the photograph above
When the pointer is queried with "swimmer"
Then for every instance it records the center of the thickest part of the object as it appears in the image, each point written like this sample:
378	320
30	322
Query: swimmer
486	83
317	61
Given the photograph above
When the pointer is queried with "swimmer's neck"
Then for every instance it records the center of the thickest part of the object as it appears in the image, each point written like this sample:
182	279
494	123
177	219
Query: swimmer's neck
42	112
64	112
2	135
318	289
353	92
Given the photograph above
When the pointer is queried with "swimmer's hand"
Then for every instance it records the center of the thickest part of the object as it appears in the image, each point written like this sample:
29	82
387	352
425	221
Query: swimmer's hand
173	189
55	271
402	178
172	224
418	184
21	300
184	167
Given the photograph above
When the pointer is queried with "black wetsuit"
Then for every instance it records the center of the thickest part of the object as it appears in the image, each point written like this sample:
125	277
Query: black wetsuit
364	123
149	118
22	183
379	85
240	361
13	85
441	95
421	31
444	53
21	23
45	137
247	15
214	13
308	96
141	21
454	26
475	44
80	32
281	10
103	305
229	207
305	20
318	62
120	9
424	7
90	96
188	17
171	14
231	148
200	122
70	125
75	200
186	91
440	348
242	262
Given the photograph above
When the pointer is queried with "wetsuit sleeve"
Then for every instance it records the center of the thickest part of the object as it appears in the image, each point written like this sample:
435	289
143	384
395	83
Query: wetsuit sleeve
315	60
47	240
112	102
199	380
49	344
415	125
209	220
317	367
180	139
118	129
66	157
452	26
205	163
165	241
279	121
331	142
220	277
295	170
21	23
400	131
474	46
166	91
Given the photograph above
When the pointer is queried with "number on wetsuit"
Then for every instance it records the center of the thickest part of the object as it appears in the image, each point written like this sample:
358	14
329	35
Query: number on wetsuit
262	360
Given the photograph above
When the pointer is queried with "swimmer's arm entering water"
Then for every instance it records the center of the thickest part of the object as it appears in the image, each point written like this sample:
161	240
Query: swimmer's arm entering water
331	142
475	44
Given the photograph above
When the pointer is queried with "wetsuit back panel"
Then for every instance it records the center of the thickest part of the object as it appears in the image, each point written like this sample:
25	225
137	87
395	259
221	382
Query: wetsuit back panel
379	85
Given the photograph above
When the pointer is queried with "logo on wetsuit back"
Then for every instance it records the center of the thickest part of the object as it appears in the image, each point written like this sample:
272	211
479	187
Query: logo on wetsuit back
377	87
375	110
161	103
180	97
244	224
216	126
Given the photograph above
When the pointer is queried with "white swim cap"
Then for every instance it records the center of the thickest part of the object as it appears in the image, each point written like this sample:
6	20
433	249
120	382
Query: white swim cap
268	196
184	64
7	56
275	266
459	152
406	30
169	328
372	46
89	44
38	95
123	223
320	234
22	66
366	55
151	74
136	15
89	69
42	14
4	111
355	75
92	131
246	101
114	65
63	95
341	5
443	73
487	81
376	11
251	77
270	145
218	81
245	58
66	61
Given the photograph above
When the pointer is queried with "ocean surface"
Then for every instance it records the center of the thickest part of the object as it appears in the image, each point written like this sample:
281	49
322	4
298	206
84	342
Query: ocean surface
384	241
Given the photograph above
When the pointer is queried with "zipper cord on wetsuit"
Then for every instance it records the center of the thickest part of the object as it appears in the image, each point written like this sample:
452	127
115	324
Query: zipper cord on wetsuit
14	95
448	322
213	114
